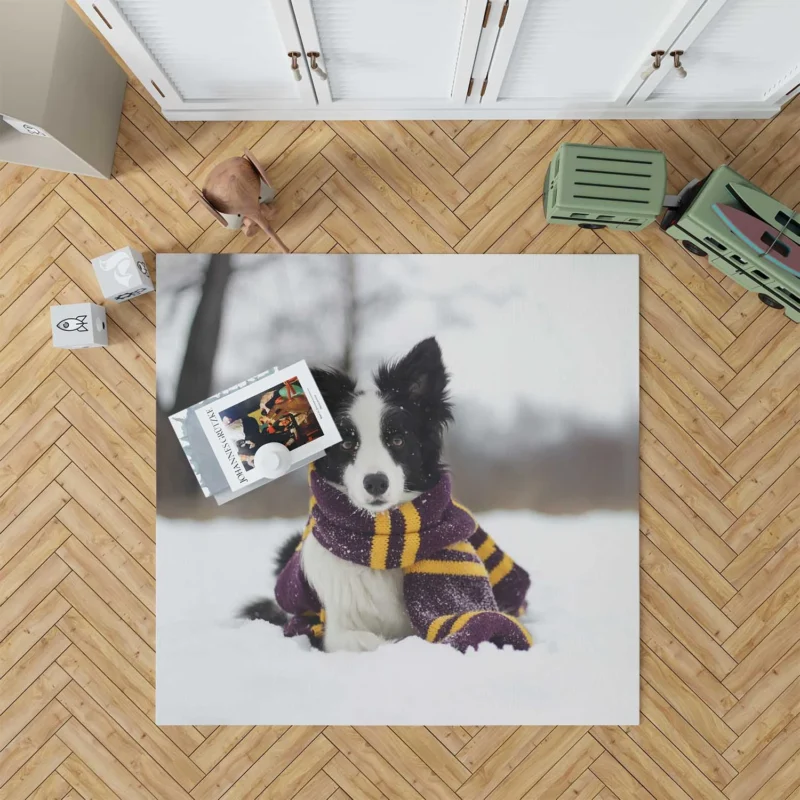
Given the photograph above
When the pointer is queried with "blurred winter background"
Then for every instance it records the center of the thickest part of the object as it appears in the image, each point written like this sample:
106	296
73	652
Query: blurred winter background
543	353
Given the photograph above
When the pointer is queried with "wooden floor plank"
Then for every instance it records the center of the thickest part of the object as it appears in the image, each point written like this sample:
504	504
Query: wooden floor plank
12	176
114	521
762	402
767	726
755	620
658	713
437	143
417	159
30	230
509	172
718	734
32	192
153	161
130	752
30	267
109	625
681	554
103	772
502	144
159	131
33	701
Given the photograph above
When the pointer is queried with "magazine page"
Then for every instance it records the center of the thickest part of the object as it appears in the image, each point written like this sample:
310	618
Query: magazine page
284	408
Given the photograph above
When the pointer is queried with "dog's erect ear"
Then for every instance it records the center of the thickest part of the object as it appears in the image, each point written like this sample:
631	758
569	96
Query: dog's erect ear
335	387
418	377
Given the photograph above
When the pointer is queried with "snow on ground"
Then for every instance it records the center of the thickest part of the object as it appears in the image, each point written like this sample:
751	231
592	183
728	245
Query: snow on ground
583	614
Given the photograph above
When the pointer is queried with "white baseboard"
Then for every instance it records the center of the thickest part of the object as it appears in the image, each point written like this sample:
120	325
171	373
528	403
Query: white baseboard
716	111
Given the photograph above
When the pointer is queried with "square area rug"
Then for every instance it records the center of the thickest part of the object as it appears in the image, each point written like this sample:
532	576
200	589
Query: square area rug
542	354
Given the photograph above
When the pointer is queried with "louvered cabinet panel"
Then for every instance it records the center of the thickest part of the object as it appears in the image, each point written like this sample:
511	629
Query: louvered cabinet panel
207	52
748	50
581	50
380	53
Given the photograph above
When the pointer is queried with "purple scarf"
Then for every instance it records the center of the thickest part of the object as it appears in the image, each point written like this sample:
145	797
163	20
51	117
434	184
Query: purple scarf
459	587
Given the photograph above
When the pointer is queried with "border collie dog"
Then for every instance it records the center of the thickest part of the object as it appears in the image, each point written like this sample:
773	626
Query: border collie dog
392	434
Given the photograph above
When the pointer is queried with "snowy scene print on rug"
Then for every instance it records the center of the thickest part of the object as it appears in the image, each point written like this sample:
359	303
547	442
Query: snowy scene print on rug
529	367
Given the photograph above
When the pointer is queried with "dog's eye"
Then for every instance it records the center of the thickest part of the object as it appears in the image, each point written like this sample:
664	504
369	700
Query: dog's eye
397	441
348	444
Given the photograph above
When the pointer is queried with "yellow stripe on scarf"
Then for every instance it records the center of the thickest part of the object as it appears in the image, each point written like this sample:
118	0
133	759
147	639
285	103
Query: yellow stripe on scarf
383	523
435	567
380	541
411	542
411	537
436	626
410	517
306	532
462	621
528	637
461	547
486	549
501	570
465	618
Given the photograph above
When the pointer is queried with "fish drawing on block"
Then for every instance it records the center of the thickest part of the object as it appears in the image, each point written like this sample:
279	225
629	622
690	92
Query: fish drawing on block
767	241
77	324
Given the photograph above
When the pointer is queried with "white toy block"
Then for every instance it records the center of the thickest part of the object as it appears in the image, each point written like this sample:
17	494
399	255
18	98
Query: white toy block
122	274
79	325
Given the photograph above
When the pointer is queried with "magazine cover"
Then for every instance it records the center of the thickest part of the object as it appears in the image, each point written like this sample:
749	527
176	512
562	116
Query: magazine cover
281	407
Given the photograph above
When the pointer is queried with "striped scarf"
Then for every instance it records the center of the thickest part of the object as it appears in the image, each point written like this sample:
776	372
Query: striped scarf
460	588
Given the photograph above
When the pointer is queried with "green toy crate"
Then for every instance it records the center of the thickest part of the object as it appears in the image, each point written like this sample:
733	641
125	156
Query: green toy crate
605	187
702	232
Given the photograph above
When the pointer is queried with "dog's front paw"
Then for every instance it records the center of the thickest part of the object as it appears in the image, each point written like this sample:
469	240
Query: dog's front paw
352	641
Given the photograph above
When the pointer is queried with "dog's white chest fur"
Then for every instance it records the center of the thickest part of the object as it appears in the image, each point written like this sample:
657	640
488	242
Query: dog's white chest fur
363	607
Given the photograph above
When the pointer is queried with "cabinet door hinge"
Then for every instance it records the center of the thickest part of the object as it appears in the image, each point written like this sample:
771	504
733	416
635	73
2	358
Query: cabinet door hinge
483	88
469	88
503	15
486	13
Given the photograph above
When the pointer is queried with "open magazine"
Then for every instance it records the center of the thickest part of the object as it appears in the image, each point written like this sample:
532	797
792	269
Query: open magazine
222	435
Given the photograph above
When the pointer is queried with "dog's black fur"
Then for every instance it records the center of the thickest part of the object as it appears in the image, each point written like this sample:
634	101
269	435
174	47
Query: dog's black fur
418	409
267	609
286	552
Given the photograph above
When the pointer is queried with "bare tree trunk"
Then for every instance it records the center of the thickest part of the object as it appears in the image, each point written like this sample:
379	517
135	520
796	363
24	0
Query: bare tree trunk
176	481
351	316
194	383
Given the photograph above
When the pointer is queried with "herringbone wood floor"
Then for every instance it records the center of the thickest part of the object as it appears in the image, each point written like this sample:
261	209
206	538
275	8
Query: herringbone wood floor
720	462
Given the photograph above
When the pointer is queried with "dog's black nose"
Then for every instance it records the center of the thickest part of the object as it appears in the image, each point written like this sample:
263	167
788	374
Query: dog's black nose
376	483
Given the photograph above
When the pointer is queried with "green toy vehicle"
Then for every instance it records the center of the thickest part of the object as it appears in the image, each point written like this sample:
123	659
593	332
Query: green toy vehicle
703	232
744	233
605	187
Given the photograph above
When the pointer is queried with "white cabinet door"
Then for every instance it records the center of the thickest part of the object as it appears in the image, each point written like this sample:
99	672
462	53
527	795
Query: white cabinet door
575	53
389	54
209	54
735	50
